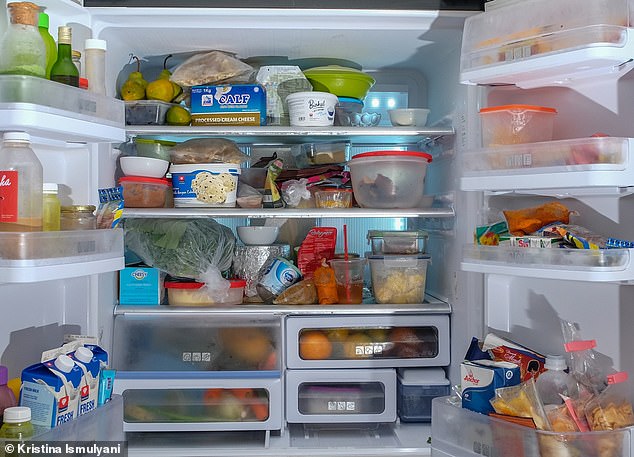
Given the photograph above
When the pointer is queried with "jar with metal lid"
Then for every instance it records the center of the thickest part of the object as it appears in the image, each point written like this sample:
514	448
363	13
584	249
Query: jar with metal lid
78	217
76	56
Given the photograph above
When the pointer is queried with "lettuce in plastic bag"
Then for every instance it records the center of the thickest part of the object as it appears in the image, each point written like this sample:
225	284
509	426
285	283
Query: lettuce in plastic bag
189	248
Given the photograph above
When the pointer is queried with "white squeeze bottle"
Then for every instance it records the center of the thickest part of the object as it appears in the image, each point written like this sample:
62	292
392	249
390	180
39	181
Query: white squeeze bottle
555	381
20	185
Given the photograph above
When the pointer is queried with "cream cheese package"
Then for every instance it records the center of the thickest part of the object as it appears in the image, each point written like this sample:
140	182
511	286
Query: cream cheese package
480	378
231	104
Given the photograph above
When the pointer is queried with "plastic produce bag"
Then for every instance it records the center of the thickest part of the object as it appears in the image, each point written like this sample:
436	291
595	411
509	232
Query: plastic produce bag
207	150
193	248
294	191
211	68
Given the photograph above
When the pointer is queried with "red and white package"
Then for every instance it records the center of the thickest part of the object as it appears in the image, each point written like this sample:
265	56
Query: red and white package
319	244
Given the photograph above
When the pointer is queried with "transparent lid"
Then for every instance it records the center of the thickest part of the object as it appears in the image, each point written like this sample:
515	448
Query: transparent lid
16	414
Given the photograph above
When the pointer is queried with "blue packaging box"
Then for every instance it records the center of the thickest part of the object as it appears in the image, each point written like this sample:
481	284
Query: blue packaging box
141	286
230	104
480	378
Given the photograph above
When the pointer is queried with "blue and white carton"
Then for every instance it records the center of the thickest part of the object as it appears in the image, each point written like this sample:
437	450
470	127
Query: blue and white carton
91	367
52	390
480	378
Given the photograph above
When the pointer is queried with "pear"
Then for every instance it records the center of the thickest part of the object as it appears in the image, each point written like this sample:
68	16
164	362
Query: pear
134	87
165	74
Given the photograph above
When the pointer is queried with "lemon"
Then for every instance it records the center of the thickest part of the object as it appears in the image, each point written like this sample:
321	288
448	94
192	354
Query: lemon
177	115
160	89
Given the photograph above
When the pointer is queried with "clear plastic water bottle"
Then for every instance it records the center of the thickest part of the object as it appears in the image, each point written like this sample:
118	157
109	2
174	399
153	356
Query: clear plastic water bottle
555	381
7	399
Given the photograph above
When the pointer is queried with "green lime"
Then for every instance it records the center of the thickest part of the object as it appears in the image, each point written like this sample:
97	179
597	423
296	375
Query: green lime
177	115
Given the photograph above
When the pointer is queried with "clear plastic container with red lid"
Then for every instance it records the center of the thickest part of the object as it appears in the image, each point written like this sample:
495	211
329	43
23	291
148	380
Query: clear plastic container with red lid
192	293
515	124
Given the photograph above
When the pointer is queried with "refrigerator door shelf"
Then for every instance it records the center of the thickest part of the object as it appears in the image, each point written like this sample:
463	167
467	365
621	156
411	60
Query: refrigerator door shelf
456	431
579	163
340	396
47	109
43	256
371	341
605	265
184	402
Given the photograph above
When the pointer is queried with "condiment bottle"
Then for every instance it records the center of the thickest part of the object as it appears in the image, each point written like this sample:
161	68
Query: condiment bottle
554	381
51	208
7	398
17	423
326	284
78	217
64	70
20	185
95	53
76	56
49	42
22	50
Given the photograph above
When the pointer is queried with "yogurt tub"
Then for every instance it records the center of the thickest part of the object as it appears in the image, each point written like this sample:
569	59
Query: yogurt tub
311	109
205	184
181	293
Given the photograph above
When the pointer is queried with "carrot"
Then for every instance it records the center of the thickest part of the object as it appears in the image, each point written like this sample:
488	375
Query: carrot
259	408
212	396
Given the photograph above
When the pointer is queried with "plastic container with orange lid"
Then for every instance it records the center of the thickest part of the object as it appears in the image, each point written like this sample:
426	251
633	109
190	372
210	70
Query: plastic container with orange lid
389	179
142	192
514	124
191	293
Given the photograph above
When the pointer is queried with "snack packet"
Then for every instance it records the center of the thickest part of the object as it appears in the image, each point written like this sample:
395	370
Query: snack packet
272	197
491	234
530	362
521	400
528	220
612	408
110	207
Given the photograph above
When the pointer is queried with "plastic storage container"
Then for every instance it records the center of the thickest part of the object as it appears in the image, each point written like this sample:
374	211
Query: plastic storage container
157	149
146	112
340	396
142	192
346	110
193	340
78	217
311	109
513	124
389	179
341	81
180	293
333	198
399	278
205	184
416	388
397	241
367	341
308	154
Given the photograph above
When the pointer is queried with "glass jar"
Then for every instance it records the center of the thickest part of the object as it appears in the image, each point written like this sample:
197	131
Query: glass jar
78	217
22	50
77	60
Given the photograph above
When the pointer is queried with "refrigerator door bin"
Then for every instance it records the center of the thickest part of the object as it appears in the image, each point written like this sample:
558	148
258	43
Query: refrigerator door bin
196	342
336	396
367	341
577	163
29	256
51	110
497	47
460	432
170	401
101	424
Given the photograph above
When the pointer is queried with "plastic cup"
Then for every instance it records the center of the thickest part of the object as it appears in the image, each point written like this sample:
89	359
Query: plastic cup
349	278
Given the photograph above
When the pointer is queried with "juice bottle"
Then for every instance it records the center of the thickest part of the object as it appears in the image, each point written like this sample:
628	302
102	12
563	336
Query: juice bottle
17	423
51	209
20	185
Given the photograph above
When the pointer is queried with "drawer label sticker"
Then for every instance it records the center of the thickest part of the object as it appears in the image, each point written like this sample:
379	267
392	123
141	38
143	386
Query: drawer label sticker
342	405
196	356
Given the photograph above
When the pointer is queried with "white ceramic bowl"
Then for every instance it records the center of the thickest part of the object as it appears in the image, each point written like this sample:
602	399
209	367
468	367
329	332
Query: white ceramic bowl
148	167
257	235
408	117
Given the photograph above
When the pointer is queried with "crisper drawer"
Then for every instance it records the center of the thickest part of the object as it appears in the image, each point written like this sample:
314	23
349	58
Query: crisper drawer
318	396
460	432
199	401
196	341
367	341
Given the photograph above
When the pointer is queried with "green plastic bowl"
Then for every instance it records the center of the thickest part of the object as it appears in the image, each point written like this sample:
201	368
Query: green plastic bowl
340	81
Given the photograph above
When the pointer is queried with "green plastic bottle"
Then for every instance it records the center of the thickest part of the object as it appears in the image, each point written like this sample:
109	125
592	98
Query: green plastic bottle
17	423
49	41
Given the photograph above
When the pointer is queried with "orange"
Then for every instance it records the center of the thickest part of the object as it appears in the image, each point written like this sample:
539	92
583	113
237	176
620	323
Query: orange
314	345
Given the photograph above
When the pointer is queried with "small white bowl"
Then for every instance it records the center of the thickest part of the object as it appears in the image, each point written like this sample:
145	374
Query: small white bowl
148	167
408	117
257	235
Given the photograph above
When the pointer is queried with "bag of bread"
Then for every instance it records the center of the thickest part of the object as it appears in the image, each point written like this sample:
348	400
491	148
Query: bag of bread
207	150
209	68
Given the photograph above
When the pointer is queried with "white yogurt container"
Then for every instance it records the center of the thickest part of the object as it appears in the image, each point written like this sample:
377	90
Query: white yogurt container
311	109
205	184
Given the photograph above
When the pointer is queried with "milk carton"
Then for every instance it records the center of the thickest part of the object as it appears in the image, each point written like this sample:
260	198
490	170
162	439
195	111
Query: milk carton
90	367
480	378
52	390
